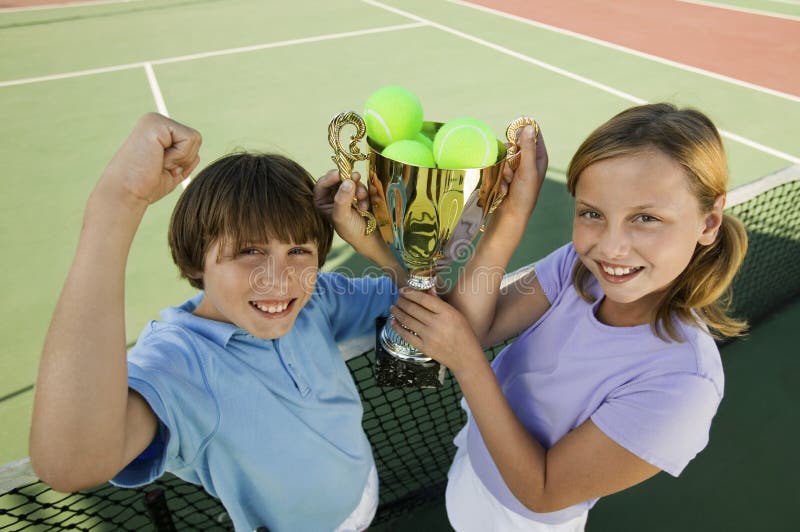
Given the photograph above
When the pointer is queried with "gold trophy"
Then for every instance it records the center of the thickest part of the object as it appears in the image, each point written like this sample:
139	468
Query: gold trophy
428	217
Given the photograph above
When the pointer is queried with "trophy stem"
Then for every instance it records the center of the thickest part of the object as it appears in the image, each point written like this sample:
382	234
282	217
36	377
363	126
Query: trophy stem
421	282
392	342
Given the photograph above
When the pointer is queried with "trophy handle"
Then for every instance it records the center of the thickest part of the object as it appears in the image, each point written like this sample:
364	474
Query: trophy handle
513	155
344	159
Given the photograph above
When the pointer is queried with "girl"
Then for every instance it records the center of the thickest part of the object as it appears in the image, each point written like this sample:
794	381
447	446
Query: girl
614	375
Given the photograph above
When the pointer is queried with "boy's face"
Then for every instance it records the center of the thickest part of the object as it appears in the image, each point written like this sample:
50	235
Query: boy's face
259	288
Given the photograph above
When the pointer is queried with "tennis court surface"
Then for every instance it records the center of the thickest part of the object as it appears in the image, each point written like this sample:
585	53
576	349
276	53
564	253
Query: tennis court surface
270	75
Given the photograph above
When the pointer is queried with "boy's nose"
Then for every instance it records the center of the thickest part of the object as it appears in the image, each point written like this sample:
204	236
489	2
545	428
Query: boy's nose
271	275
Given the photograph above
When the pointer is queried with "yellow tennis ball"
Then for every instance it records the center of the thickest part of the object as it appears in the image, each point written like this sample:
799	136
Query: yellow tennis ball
424	139
392	113
410	152
465	143
429	129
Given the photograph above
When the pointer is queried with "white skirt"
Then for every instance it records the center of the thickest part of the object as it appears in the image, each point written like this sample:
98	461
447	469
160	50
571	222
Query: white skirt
472	508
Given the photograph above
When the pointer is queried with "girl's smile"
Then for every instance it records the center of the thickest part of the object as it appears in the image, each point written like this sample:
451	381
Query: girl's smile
615	273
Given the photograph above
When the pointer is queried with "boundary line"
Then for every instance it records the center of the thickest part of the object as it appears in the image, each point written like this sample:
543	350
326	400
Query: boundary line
747	10
606	88
214	53
619	47
161	105
59	6
512	53
156	90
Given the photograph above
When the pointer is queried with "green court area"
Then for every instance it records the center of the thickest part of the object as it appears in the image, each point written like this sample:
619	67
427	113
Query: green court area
269	76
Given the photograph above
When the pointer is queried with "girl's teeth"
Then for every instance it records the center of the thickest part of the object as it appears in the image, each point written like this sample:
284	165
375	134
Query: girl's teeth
618	271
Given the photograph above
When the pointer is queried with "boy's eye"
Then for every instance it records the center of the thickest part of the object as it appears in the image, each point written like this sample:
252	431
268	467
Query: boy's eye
646	218
589	215
250	251
299	251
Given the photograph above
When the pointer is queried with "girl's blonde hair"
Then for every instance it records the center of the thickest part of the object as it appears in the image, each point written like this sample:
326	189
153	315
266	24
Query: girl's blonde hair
701	293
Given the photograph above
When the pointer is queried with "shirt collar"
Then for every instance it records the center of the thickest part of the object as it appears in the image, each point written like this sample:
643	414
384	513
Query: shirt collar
216	331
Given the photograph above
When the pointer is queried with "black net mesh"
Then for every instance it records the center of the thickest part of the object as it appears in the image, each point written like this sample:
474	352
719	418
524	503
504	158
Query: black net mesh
411	430
770	275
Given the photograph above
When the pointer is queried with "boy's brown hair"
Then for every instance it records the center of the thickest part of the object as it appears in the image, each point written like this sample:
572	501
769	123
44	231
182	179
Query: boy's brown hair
245	198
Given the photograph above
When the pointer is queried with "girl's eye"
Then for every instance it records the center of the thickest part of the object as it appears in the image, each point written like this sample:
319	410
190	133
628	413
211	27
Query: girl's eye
590	215
250	251
646	218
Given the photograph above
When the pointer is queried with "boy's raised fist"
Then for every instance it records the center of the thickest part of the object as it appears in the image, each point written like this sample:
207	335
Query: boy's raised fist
157	155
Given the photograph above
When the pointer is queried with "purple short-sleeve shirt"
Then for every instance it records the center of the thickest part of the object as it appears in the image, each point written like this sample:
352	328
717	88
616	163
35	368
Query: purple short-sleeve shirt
653	397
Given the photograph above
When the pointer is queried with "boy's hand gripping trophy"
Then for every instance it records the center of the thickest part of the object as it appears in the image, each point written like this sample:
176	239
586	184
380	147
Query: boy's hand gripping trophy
345	159
428	217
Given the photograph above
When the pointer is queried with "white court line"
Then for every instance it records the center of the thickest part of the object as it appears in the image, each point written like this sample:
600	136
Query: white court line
76	74
512	53
593	40
203	55
741	9
582	79
58	6
161	106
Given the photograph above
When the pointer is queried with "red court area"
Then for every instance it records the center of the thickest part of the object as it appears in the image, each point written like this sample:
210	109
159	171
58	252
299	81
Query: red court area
758	49
33	3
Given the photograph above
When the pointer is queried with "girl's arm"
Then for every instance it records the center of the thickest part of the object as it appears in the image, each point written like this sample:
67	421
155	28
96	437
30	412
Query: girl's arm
87	425
584	464
496	316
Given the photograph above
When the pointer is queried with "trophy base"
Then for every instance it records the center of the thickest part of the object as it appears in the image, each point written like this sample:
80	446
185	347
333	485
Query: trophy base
391	371
394	345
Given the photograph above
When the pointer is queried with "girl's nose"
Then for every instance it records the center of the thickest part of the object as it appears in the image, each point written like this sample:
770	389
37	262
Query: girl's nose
614	242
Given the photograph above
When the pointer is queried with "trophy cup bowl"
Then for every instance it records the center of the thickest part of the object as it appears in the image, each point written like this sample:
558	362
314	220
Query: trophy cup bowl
428	217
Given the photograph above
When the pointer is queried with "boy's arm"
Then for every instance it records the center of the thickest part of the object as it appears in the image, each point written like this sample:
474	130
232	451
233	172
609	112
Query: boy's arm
87	425
335	201
492	315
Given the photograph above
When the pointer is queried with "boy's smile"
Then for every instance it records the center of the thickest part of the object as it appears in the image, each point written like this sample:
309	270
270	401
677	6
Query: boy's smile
260	288
273	309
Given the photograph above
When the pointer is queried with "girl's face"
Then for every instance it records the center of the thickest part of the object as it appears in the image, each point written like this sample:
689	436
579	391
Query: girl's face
636	227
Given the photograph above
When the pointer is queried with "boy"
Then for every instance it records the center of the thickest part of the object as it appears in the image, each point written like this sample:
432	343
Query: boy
242	388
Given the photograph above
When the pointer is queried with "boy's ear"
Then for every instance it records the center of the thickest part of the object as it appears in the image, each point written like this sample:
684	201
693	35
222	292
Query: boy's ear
713	222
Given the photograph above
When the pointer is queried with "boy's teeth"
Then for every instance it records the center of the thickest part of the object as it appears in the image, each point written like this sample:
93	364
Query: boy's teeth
272	309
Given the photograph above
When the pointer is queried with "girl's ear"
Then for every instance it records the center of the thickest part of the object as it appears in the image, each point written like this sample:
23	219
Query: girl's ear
713	222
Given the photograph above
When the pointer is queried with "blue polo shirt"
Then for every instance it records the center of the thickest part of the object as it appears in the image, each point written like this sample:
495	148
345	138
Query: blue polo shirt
270	427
